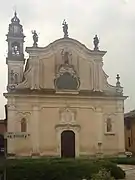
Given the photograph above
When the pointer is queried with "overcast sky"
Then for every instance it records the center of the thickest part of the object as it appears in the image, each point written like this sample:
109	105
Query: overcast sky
112	20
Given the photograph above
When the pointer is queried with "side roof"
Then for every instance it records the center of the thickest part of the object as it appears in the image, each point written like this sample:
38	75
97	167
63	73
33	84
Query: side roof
130	114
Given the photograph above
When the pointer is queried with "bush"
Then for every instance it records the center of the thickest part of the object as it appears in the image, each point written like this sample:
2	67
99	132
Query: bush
102	175
115	171
128	161
59	169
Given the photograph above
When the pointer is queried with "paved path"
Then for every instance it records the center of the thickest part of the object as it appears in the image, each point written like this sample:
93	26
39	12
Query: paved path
129	170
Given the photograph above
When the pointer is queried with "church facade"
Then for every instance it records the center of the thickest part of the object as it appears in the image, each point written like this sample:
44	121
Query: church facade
59	101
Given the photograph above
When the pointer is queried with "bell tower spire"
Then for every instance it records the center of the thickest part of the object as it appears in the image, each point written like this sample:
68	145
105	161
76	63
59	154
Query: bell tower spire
15	39
15	56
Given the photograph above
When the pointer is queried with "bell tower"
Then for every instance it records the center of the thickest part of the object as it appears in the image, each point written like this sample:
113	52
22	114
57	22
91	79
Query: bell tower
15	57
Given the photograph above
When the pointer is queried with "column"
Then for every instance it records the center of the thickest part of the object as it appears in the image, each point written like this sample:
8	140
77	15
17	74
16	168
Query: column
35	130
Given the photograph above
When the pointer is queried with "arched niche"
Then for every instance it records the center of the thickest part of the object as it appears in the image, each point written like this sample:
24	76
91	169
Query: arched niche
23	125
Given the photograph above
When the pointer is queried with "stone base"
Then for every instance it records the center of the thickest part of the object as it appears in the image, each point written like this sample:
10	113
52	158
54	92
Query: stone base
11	156
99	155
122	155
35	155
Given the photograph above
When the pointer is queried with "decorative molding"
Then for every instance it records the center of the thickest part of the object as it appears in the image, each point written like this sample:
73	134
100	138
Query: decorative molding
109	115
67	126
67	115
109	133
11	106
22	115
67	118
66	68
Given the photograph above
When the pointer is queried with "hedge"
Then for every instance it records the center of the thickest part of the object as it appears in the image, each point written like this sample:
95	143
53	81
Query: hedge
126	160
59	169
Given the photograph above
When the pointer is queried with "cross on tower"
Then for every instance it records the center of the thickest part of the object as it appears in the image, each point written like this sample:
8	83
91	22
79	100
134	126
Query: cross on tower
118	80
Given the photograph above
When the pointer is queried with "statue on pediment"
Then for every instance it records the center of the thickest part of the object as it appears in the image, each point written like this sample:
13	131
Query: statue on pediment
35	38
96	42
65	28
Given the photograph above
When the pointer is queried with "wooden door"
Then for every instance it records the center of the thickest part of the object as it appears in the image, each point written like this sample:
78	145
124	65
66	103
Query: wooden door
68	144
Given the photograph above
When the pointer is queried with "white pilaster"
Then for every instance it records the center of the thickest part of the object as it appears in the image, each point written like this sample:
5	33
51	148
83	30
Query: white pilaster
35	130
120	126
100	128
120	130
11	128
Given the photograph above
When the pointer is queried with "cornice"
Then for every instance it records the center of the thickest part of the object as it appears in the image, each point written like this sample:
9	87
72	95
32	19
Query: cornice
53	94
66	41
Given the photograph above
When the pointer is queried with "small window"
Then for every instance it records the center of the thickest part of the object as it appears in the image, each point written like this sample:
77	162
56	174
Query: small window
23	125
129	142
109	125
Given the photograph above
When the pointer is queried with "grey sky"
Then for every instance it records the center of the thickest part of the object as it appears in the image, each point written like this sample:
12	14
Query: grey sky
112	20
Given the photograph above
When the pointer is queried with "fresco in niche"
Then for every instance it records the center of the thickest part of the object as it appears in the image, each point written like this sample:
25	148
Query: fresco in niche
67	81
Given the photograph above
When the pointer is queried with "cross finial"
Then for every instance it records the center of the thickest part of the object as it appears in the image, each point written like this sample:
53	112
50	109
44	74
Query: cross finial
15	13
14	9
118	80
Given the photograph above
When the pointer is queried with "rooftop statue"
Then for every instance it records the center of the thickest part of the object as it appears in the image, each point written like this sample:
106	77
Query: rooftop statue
65	28
96	42
35	38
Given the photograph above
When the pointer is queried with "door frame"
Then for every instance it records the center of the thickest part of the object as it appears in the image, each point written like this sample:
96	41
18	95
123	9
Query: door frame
67	127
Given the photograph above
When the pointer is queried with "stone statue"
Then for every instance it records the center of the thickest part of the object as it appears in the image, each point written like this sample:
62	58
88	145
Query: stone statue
13	77
96	42
109	125
35	38
66	55
65	28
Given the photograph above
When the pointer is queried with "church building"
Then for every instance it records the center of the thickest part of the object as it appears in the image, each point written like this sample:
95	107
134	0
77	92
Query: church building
59	102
